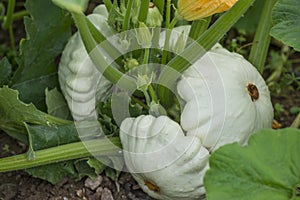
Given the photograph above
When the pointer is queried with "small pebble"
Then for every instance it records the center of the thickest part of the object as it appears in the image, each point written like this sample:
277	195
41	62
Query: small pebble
93	184
106	194
131	196
79	193
99	190
136	187
97	194
124	178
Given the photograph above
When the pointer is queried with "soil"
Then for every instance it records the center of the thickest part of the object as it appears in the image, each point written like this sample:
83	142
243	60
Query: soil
288	100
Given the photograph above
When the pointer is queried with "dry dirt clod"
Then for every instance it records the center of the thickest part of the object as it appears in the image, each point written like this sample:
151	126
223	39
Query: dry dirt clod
93	184
79	193
136	187
106	194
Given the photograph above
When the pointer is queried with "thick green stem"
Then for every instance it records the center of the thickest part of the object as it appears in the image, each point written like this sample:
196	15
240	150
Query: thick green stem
199	27
165	53
12	38
9	15
57	120
138	101
147	97
61	153
262	37
198	48
160	4
144	10
112	74
84	31
173	23
99	38
8	22
126	21
146	56
168	13
108	4
20	14
17	15
152	93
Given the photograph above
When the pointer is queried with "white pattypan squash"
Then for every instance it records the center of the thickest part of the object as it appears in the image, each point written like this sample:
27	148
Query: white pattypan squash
80	81
166	163
226	99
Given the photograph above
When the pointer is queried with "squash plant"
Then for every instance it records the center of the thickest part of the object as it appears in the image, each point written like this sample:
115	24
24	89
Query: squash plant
162	102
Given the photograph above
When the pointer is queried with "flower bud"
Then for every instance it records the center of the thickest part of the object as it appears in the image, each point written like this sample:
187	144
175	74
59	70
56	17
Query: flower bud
154	18
196	9
144	35
130	63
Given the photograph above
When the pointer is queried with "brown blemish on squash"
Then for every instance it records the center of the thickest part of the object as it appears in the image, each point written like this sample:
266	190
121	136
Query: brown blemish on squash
152	186
253	91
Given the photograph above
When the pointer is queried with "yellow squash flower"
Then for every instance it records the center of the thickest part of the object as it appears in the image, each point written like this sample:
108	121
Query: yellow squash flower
196	9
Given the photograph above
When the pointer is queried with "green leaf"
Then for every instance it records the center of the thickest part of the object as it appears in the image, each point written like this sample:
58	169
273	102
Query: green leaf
97	165
13	114
42	137
49	136
117	163
112	173
44	131
84	169
114	164
267	168
5	71
32	91
106	117
286	19
57	105
250	21
54	172
48	29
